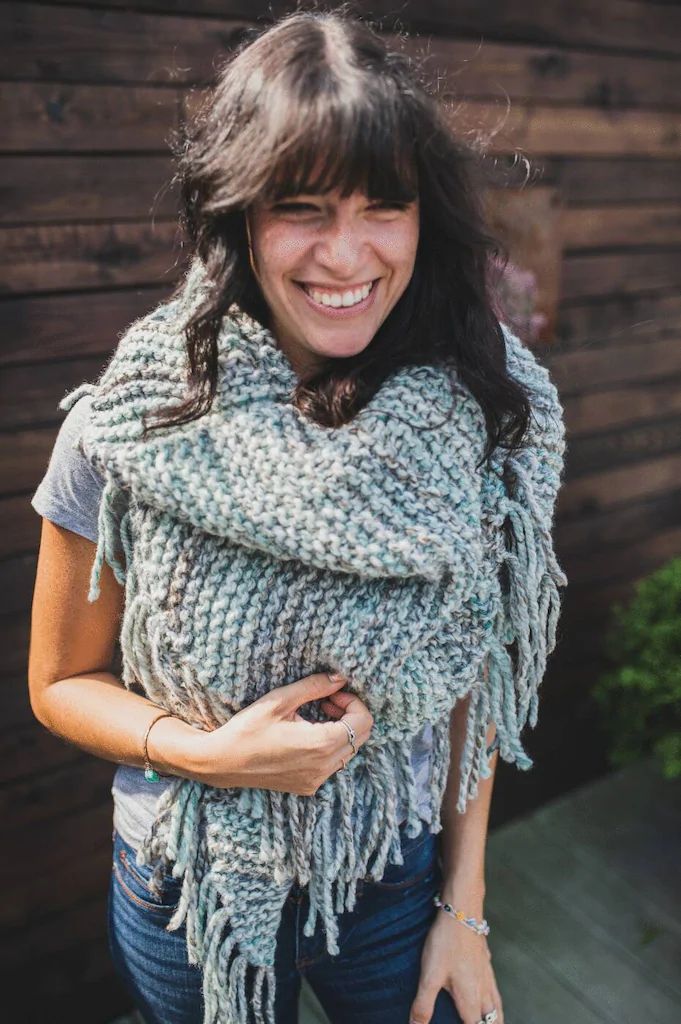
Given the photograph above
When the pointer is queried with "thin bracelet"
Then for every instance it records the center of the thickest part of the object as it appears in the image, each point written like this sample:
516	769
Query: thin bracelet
150	774
481	927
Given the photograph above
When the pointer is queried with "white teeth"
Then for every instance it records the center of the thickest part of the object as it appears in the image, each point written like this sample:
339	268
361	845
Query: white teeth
336	299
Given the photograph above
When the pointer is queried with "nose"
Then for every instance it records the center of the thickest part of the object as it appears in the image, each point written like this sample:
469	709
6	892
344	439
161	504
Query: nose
340	248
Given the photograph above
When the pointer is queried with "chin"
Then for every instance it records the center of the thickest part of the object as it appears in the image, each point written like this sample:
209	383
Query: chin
344	351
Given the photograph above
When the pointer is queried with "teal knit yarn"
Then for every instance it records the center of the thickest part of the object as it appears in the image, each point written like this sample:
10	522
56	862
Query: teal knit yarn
256	547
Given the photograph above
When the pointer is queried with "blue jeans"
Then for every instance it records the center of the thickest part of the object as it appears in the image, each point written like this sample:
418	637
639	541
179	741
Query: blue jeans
373	980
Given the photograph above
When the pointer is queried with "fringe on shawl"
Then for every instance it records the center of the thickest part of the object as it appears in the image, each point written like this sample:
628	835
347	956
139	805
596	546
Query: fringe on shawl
527	616
347	832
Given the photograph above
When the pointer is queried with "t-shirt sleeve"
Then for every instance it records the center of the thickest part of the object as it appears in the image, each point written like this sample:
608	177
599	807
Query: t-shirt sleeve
69	492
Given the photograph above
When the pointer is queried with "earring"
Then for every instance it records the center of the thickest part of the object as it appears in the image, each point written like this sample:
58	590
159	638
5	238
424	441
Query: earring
251	257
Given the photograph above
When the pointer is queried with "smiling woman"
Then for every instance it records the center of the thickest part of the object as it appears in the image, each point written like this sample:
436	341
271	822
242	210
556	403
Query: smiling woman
321	538
331	269
321	163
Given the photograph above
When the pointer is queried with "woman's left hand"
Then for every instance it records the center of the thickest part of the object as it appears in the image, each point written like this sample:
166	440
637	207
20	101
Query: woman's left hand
455	958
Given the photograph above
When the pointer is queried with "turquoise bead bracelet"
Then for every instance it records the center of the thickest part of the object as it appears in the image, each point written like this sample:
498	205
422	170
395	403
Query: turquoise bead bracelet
150	773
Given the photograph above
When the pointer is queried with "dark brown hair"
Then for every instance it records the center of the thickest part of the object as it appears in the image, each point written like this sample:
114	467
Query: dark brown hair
321	91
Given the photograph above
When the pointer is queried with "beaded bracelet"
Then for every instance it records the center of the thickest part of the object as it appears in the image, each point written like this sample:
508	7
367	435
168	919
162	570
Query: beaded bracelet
150	774
481	927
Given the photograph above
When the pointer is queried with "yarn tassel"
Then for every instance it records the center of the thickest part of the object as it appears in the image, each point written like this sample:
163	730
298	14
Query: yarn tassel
350	830
232	984
280	848
177	807
369	833
109	522
527	616
70	399
236	988
439	770
405	783
474	764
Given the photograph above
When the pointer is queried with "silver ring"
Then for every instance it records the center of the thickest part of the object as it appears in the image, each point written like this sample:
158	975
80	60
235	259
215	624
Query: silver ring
489	1018
351	734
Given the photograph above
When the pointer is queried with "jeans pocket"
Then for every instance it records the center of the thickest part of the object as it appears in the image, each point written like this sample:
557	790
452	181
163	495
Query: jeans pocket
133	880
419	855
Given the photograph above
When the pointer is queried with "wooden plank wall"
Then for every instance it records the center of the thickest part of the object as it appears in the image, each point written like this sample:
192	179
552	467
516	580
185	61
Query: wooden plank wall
88	235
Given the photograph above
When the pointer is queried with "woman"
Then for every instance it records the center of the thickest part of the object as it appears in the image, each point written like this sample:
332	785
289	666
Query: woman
322	519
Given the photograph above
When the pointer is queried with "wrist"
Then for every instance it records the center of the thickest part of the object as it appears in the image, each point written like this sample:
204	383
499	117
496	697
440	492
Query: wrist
464	893
174	748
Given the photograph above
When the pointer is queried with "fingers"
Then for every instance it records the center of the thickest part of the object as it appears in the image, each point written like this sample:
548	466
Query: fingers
352	708
331	709
424	1003
344	700
496	1001
314	687
336	740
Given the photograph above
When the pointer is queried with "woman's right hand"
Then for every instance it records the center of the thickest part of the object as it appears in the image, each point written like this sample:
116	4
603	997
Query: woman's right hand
269	745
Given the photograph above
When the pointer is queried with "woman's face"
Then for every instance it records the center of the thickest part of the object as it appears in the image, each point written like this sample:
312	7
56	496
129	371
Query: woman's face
331	270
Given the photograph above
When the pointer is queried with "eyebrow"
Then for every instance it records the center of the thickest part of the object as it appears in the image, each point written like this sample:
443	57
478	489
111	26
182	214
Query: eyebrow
303	197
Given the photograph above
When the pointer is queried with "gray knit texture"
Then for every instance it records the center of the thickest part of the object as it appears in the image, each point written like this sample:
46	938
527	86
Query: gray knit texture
257	547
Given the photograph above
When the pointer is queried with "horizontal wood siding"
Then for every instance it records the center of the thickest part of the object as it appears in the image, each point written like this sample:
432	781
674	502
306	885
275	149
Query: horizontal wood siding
89	241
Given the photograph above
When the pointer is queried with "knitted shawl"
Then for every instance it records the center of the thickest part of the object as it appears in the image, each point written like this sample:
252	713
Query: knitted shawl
257	547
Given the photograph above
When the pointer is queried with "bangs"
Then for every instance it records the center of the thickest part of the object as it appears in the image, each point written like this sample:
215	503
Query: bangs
360	146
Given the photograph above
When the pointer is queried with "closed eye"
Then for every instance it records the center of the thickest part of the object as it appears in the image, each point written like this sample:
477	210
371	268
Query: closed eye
293	207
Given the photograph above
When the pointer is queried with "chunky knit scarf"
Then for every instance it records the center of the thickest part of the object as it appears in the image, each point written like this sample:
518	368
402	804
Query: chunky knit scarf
257	547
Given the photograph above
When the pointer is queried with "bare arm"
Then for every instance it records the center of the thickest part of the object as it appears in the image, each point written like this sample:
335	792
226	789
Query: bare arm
72	690
454	957
76	696
464	836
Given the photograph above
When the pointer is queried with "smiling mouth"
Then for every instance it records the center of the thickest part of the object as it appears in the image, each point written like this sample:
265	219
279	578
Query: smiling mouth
334	299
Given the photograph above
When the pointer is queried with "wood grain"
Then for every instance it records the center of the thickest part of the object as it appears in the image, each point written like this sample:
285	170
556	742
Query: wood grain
610	25
583	104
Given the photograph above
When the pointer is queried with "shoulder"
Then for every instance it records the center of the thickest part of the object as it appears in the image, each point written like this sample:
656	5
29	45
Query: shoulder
67	450
70	490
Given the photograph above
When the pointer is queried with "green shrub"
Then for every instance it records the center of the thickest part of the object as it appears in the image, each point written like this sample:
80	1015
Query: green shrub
641	695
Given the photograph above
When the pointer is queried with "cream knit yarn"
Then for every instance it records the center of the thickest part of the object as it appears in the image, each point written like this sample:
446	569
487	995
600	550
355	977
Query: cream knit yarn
256	548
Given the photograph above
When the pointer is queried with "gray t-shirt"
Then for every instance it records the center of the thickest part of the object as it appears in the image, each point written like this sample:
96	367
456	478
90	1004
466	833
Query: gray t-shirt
68	495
